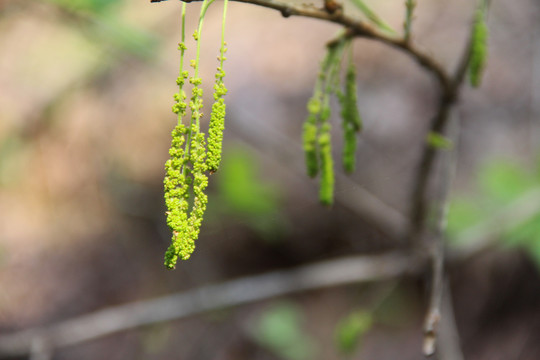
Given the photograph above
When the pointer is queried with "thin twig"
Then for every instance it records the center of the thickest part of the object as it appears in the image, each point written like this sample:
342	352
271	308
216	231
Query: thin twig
147	312
449	347
343	271
358	28
448	97
436	243
419	195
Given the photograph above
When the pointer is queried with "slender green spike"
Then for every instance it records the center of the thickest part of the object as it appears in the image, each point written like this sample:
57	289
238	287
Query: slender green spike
374	18
479	36
351	120
217	117
409	8
326	191
309	139
176	184
316	131
349	148
350	111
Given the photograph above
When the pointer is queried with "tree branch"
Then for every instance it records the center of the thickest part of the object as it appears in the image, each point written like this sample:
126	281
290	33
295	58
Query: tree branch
436	245
357	28
449	96
231	293
449	345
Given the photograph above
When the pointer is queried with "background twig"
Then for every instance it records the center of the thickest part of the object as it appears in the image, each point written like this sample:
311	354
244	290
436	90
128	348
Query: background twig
436	242
236	292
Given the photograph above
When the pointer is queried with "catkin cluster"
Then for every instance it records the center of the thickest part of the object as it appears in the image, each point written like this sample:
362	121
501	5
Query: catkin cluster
193	154
317	140
190	159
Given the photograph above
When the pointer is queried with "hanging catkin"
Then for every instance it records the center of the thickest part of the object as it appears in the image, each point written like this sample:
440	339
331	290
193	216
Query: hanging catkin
186	180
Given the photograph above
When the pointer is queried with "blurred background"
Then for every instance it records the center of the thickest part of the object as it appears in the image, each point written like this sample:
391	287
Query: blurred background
86	92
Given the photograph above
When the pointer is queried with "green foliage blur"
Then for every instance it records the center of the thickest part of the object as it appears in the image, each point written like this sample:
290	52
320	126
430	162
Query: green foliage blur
100	21
502	184
279	329
245	196
351	329
94	6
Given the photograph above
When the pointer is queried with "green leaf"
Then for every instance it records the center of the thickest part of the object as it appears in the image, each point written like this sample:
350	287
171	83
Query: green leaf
439	141
526	236
504	181
279	329
463	214
534	250
242	187
528	231
351	329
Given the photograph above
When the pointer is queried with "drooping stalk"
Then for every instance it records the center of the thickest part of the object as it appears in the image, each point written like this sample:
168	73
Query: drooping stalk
372	16
217	117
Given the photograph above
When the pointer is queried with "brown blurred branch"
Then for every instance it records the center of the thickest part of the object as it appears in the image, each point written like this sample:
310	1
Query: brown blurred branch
420	234
449	345
436	244
101	323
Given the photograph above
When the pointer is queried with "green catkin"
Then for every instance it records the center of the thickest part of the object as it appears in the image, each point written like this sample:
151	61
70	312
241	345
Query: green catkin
324	141
316	130
351	120
187	166
311	124
479	37
176	195
331	82
176	183
326	191
309	138
217	116
314	108
349	148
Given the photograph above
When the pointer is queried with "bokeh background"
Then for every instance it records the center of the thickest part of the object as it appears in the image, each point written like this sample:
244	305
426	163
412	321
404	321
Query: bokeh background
85	118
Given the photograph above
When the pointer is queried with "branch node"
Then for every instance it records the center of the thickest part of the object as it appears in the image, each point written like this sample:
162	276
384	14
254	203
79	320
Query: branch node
430	332
333	7
286	12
